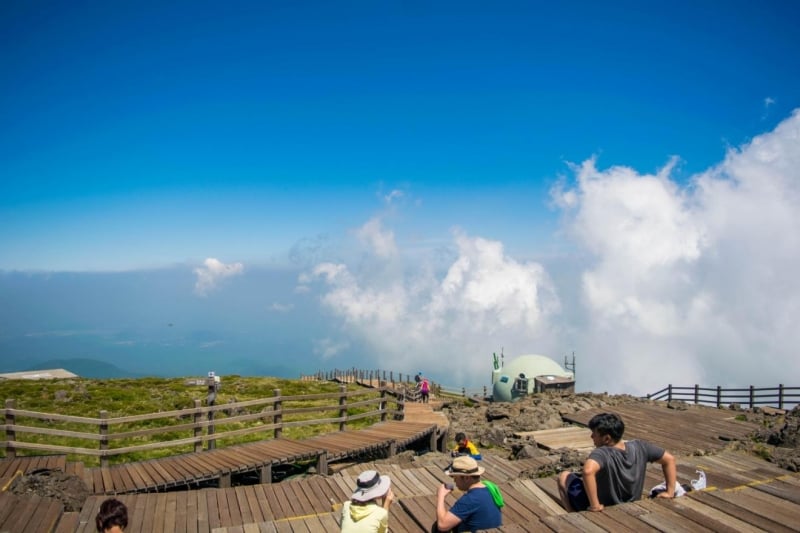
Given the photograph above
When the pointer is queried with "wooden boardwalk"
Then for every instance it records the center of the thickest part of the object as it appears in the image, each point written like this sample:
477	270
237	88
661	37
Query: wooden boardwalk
744	492
258	458
679	431
749	495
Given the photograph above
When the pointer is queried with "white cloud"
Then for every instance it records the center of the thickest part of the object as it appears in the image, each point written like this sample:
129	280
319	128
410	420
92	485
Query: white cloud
666	282
327	348
691	284
395	194
281	308
447	324
380	240
212	272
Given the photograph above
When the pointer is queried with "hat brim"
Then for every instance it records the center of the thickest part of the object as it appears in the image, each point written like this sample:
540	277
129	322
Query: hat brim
480	472
376	491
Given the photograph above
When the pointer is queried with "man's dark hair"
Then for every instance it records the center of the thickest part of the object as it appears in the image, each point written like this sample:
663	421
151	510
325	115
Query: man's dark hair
460	436
608	424
112	513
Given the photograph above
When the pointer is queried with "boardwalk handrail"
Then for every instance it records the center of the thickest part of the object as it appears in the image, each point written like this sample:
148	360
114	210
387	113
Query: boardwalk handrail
368	403
780	396
396	380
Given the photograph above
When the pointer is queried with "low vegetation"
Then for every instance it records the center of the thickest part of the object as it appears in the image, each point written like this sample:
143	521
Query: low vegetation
128	397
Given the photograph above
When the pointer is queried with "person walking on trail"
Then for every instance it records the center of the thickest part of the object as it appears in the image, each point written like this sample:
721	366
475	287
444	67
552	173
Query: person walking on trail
480	506
615	470
368	508
424	389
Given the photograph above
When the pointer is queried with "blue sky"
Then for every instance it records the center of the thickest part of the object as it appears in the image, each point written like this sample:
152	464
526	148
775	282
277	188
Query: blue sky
402	143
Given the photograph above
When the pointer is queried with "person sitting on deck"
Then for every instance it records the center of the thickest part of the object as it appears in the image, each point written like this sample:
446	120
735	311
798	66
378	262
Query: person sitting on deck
465	447
477	509
615	470
368	508
112	517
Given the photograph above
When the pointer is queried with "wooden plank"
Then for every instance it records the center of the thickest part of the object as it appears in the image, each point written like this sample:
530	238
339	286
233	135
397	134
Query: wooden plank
727	522
214	520
715	500
665	520
68	523
254	509
161	509
540	496
181	505
222	508
201	504
45	517
21	514
171	512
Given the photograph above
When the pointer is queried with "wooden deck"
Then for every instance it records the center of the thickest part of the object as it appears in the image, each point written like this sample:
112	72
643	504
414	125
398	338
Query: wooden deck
744	492
748	495
258	458
681	432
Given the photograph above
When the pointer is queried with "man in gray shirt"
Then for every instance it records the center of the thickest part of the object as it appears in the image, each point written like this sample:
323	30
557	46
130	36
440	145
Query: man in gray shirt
615	470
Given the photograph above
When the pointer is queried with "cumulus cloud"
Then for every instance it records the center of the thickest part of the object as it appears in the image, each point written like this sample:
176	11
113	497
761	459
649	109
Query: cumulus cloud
448	323
691	284
212	273
280	307
667	281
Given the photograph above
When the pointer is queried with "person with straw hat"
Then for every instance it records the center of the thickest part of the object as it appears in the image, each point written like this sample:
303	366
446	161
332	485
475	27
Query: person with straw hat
368	508
477	509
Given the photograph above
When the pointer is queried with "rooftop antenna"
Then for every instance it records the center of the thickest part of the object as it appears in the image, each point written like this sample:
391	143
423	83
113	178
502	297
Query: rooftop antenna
570	366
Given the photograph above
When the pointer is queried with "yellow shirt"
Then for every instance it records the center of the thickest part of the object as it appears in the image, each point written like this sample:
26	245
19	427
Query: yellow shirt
370	518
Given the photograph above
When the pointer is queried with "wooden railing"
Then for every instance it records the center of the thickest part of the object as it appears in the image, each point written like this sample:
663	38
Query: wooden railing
199	423
780	396
402	383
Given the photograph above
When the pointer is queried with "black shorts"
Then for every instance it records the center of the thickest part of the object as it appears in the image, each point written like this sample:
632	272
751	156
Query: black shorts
577	493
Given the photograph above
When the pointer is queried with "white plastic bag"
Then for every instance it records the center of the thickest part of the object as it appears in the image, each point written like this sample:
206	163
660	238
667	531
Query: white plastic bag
699	483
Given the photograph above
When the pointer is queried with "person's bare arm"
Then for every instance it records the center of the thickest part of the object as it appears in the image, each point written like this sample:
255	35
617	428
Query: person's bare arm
667	463
590	470
388	499
445	520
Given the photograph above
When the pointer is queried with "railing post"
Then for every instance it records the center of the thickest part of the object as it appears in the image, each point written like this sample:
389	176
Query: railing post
198	431
11	435
752	396
343	407
277	418
669	392
780	396
696	393
719	396
383	402
464	392
103	438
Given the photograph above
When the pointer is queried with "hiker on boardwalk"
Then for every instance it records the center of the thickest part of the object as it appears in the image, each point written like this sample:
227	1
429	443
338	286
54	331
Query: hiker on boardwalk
477	509
112	517
615	470
464	446
424	389
368	508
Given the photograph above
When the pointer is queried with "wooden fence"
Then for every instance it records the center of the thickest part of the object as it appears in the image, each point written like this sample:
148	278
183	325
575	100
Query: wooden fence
780	396
199	423
398	381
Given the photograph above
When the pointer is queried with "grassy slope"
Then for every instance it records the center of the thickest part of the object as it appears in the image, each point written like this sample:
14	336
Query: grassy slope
124	397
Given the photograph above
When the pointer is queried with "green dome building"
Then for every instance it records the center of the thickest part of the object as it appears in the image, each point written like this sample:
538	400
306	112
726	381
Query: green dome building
528	374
